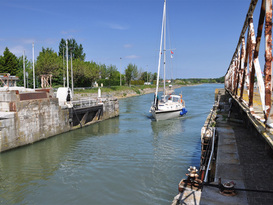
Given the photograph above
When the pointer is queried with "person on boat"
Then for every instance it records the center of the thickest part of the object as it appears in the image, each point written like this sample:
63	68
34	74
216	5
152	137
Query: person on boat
68	98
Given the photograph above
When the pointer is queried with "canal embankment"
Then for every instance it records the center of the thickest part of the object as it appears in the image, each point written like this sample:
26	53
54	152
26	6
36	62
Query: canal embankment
30	116
119	94
236	160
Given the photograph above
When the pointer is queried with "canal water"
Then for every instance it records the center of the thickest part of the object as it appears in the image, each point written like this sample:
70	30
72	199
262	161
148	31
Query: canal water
130	159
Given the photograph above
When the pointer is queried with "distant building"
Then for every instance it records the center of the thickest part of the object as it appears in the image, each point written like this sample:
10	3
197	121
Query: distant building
7	80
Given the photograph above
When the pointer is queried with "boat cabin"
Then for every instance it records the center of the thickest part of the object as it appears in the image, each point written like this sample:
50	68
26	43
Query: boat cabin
173	98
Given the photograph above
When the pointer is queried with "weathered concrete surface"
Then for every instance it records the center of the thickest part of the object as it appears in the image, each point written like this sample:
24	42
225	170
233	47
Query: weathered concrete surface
24	122
110	108
189	197
228	167
30	121
243	157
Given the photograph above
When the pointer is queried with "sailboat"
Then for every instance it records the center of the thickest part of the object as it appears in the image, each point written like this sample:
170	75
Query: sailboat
169	105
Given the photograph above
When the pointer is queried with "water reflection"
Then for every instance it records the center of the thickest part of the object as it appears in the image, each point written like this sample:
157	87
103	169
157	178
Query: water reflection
167	127
130	159
27	166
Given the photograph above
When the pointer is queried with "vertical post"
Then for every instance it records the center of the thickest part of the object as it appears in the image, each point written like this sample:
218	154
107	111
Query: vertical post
164	51
251	65
72	83
67	74
63	69
243	69
24	67
33	65
120	73
268	56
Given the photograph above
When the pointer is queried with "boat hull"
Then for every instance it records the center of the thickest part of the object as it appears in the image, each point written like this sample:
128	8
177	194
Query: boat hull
165	115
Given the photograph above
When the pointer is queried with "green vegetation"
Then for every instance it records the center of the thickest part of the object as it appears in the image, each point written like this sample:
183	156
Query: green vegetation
200	80
85	73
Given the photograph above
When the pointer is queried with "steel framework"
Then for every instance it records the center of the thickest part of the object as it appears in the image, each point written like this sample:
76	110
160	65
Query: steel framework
245	69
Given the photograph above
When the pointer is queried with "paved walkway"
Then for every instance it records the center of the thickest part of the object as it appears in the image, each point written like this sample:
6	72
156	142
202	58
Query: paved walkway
257	163
244	157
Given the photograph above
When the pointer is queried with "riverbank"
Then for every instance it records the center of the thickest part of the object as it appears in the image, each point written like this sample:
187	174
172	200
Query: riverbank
119	94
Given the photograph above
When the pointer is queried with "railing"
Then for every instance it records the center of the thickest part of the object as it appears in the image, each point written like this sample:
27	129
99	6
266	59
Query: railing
245	65
85	102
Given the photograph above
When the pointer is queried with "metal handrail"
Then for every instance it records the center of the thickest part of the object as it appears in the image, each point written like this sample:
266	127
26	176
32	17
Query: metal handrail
212	151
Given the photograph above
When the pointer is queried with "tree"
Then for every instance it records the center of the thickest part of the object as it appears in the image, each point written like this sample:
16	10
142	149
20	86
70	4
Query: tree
146	77
103	71
78	73
28	69
91	72
48	62
154	76
9	63
77	50
130	73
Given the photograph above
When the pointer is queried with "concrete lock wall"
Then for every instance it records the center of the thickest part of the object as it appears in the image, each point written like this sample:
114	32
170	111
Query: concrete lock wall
29	121
24	121
110	108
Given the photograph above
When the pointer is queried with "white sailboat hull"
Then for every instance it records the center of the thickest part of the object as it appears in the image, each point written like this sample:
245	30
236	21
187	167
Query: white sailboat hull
165	115
170	106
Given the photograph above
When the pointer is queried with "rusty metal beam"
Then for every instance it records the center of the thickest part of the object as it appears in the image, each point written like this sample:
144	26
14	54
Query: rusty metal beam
268	55
238	72
251	9
243	68
250	64
245	65
256	63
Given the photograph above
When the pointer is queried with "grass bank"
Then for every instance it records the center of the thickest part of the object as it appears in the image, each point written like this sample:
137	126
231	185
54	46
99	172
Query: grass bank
118	91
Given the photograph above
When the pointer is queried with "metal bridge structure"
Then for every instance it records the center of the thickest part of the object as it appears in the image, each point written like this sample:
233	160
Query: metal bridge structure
245	80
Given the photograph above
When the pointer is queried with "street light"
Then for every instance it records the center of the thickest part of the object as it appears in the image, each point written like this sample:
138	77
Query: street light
120	72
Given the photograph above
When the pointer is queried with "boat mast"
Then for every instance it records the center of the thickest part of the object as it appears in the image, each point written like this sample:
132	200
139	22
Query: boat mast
164	51
160	51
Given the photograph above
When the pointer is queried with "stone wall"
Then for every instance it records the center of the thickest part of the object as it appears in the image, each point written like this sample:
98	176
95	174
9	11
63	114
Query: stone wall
110	108
28	121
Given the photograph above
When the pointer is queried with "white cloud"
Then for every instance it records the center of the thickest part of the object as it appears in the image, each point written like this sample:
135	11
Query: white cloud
132	57
69	31
127	45
27	40
117	26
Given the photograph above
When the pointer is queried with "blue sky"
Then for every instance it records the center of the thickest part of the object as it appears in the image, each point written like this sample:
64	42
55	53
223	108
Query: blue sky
204	33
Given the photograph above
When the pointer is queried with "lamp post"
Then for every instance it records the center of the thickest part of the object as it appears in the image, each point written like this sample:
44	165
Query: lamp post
33	65
67	74
24	68
72	83
120	72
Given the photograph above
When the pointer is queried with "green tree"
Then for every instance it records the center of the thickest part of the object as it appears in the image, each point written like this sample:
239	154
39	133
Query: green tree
79	77
48	62
103	71
9	63
91	72
77	50
130	73
28	69
146	77
154	76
